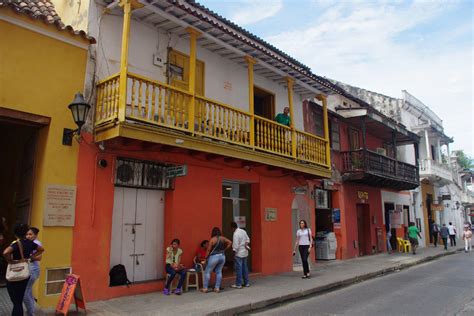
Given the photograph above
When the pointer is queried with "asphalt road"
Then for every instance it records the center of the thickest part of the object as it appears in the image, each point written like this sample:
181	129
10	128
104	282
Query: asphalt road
441	287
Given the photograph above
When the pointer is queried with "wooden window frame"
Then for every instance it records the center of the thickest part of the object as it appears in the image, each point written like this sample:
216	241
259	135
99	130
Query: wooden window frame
349	134
175	51
332	123
273	105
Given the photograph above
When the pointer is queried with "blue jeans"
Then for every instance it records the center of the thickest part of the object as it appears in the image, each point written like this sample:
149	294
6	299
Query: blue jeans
214	263
29	299
172	272
241	271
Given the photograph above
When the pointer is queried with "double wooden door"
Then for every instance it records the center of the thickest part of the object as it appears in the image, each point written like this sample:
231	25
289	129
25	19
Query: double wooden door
137	239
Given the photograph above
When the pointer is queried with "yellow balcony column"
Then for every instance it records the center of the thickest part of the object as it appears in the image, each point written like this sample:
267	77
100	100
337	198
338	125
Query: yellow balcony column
127	14
290	83
250	62
323	99
193	35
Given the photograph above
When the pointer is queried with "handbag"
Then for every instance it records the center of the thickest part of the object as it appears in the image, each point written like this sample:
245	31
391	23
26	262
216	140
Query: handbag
18	271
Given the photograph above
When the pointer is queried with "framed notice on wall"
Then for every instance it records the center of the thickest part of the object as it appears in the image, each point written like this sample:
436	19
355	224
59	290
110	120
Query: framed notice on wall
60	205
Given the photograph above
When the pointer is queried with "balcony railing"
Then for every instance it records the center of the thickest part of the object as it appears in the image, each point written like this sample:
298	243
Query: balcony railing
156	103
429	167
366	161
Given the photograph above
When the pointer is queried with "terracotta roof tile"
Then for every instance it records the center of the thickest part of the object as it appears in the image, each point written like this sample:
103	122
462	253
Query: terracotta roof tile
43	10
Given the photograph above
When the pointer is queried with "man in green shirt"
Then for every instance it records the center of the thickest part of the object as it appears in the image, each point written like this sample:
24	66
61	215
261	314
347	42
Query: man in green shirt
284	118
413	234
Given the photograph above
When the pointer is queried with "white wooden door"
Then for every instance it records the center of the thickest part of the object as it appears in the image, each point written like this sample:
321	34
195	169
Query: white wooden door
138	233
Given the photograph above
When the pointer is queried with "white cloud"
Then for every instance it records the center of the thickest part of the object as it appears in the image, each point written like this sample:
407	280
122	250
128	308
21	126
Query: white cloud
361	44
253	11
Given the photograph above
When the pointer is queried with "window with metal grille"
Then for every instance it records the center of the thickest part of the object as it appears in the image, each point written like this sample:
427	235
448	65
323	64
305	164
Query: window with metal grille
322	199
142	174
55	279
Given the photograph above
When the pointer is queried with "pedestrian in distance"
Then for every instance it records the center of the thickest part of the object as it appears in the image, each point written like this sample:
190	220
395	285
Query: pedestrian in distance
467	235
444	232
29	299
174	267
435	233
452	234
218	244
240	245
304	242
413	234
20	250
389	236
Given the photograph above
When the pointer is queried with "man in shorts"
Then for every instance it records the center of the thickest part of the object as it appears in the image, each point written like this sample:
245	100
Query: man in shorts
413	234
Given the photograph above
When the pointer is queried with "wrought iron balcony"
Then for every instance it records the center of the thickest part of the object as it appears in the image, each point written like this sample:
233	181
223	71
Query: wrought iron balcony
371	168
155	106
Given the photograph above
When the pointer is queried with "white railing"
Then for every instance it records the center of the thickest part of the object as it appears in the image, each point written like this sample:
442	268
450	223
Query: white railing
432	167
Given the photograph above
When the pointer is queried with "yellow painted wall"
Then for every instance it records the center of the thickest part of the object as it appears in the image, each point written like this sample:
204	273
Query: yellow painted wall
40	75
427	188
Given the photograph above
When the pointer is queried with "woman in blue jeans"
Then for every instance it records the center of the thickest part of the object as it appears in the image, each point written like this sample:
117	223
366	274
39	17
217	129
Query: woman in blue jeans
29	299
215	259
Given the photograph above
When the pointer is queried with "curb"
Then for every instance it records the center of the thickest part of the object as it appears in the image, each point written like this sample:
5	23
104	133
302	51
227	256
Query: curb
325	288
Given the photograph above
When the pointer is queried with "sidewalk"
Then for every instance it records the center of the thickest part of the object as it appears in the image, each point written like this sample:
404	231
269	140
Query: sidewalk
266	290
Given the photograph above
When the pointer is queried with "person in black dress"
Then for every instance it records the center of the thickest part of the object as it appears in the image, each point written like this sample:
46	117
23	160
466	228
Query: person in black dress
31	251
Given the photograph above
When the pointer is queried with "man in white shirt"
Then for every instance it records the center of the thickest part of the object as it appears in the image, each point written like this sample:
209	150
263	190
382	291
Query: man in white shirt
240	245
452	234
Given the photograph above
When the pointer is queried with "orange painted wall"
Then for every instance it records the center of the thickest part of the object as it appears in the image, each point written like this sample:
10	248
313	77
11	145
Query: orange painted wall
349	217
191	210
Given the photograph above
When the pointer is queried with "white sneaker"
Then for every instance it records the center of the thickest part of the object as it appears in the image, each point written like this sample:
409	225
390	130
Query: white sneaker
236	286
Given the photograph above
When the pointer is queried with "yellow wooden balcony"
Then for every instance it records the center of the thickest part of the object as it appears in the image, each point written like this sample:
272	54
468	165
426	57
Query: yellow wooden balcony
161	113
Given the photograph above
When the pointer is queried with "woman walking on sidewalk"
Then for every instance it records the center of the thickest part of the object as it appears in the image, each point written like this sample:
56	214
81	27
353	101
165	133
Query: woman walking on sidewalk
467	235
304	242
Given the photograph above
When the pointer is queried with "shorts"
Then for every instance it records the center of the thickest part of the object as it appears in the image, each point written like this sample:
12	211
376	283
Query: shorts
413	241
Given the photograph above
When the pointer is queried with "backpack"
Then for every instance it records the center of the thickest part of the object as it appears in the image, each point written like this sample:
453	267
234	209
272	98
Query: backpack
118	276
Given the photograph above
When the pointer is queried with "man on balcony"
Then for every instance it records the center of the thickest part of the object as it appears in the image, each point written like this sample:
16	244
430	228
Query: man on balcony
283	118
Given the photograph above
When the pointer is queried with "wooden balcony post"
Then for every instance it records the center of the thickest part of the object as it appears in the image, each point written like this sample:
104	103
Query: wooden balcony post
193	35
250	62
290	83
127	14
323	99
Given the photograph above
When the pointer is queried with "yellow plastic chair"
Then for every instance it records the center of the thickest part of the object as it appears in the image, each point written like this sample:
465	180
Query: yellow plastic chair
401	245
407	245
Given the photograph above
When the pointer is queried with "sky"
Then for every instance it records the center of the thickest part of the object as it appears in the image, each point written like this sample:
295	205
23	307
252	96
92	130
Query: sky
386	46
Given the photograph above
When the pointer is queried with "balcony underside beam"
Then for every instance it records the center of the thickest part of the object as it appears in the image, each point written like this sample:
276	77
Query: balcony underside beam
202	144
379	181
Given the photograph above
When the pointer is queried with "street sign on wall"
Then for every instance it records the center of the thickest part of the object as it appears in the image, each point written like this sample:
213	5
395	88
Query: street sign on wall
177	171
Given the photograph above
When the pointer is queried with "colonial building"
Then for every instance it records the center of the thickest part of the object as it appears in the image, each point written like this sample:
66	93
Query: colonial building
184	138
439	195
42	67
368	194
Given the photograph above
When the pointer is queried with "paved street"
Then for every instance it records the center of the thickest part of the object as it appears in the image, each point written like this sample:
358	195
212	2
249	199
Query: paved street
441	287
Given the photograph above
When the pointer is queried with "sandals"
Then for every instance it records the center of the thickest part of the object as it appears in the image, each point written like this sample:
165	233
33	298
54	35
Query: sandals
217	290
203	290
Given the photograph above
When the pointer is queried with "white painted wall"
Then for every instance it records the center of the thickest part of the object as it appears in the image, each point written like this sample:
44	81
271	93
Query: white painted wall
405	199
146	41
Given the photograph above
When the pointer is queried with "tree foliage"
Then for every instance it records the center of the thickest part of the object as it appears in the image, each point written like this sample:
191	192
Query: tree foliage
464	160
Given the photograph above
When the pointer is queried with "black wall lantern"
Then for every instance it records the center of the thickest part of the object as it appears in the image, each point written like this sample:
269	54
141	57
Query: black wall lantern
79	109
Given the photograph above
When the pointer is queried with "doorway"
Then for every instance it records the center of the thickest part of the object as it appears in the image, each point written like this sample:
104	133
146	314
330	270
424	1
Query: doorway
388	207
137	239
363	229
264	103
17	163
236	208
